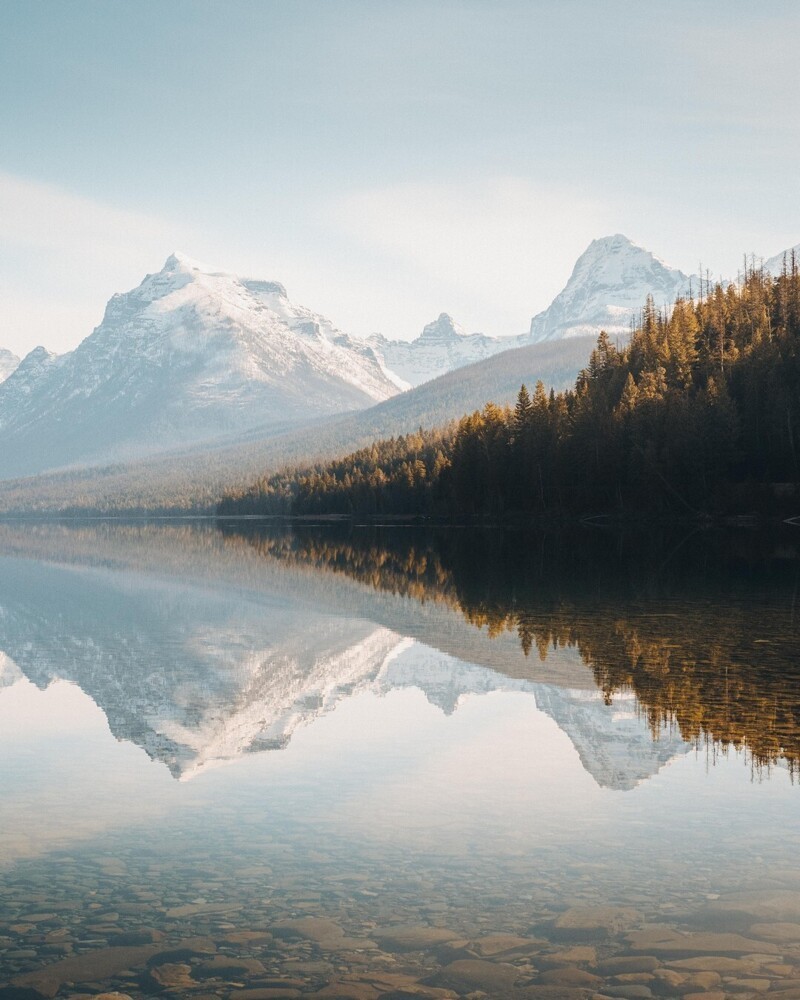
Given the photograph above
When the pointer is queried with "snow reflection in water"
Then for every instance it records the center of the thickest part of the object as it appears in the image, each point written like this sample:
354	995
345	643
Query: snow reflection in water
388	763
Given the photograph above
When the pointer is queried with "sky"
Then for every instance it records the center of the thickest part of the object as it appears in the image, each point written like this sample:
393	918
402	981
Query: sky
386	160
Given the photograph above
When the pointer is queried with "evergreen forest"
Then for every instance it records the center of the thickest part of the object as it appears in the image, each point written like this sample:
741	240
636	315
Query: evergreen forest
698	415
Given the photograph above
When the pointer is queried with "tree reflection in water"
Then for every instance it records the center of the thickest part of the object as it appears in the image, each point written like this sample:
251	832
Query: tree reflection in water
703	627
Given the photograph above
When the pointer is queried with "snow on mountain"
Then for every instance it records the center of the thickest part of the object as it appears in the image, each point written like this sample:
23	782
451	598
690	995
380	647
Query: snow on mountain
286	688
444	680
196	676
24	383
774	265
8	363
202	673
441	347
191	356
607	290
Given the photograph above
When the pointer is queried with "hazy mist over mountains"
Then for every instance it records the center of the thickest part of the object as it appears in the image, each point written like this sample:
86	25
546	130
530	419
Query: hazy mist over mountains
195	358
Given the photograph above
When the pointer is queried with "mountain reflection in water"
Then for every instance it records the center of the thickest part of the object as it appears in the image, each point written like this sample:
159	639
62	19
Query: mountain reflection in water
462	763
702	628
202	645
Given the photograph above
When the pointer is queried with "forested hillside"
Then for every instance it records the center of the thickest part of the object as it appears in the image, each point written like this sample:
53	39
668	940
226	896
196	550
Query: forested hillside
192	481
699	414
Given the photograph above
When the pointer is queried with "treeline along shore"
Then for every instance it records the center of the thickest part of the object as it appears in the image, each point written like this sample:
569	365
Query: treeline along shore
698	416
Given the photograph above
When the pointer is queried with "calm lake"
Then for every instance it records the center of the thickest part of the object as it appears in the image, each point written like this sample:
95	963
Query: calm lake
259	762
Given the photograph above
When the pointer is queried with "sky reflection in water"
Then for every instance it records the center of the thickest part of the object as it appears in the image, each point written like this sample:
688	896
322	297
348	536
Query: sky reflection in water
191	695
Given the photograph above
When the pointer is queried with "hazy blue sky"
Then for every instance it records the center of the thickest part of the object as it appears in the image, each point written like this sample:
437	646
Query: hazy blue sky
385	159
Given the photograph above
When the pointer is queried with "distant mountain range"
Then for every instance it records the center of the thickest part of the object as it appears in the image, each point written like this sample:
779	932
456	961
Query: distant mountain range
196	359
606	291
441	347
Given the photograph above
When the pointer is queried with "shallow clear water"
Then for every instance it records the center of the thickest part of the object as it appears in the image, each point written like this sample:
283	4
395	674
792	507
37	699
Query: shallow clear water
385	763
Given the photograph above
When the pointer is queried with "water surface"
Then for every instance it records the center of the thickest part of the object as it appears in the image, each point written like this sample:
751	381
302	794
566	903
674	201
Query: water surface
384	762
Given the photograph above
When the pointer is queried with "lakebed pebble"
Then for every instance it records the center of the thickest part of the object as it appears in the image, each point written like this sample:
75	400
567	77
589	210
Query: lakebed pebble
225	928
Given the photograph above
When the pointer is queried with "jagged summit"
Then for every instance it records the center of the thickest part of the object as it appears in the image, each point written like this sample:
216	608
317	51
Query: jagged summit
442	330
190	356
34	360
615	243
179	261
607	289
441	347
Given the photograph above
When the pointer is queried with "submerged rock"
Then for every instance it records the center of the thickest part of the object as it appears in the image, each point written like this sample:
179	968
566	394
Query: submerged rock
669	941
92	966
595	921
474	974
413	938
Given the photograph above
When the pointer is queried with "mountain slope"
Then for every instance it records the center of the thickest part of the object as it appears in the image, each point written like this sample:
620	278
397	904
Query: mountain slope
8	363
607	290
197	478
189	356
775	264
496	379
612	740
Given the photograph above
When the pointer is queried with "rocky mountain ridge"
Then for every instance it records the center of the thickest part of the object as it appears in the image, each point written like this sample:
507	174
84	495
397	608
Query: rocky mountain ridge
442	346
199	359
191	355
607	290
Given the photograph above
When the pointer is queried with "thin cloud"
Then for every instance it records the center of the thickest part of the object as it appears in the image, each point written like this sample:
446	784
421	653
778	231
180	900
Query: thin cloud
64	255
502	247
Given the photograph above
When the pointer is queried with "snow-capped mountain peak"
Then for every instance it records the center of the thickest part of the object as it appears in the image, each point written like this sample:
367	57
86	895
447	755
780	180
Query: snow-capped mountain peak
442	346
607	289
23	384
442	331
180	261
191	355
